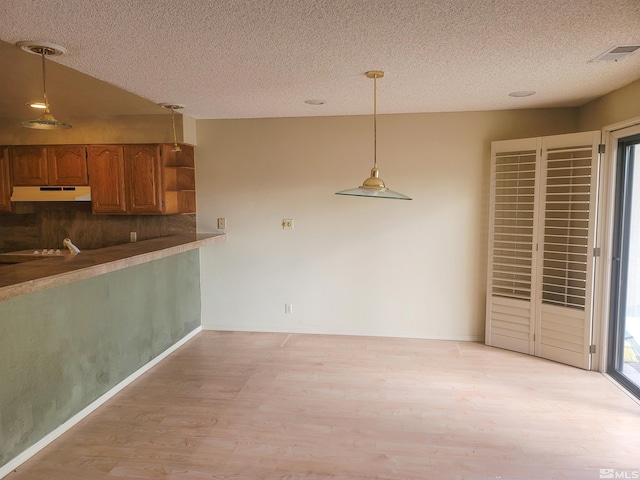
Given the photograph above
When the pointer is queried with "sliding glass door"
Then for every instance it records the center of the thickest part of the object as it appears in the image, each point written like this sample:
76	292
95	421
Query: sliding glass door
624	334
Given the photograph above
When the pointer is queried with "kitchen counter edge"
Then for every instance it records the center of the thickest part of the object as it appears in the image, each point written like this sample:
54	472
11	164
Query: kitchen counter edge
30	277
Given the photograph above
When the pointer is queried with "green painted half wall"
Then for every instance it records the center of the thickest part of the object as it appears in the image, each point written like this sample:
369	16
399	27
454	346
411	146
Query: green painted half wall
62	348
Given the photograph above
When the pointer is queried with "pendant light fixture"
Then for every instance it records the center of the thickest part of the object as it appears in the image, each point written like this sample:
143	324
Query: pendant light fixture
173	107
374	186
46	121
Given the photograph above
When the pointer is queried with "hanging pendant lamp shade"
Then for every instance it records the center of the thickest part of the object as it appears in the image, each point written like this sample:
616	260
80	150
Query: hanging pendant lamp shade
173	107
46	121
374	186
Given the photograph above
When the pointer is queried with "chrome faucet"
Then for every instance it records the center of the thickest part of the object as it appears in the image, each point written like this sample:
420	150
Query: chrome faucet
72	248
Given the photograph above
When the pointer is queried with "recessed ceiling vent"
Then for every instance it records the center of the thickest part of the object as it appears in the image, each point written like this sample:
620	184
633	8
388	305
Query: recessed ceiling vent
617	52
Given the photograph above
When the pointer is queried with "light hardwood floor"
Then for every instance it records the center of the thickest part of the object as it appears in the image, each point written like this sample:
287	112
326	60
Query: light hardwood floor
275	406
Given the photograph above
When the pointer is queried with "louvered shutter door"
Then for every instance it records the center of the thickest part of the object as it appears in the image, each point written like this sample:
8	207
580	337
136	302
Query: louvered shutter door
512	232
568	197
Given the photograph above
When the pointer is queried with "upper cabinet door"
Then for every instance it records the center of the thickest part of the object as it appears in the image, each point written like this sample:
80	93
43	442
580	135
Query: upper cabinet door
106	178
29	165
67	165
143	167
5	183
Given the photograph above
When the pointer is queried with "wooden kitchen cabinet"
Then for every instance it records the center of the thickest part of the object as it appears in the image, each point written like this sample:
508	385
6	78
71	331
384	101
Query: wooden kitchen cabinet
5	181
106	177
67	165
142	179
29	165
55	165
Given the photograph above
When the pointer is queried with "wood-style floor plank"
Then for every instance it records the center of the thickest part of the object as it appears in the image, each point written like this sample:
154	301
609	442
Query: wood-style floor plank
240	406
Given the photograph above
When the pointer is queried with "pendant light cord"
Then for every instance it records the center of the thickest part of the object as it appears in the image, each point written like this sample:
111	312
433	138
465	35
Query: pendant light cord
173	123
44	81
375	140
176	147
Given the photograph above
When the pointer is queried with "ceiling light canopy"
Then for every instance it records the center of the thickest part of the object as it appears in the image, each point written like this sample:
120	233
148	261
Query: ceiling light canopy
173	107
374	186
46	121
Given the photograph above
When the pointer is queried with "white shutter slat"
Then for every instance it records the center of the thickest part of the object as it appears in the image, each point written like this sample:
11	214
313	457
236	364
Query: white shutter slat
515	308
510	337
518	323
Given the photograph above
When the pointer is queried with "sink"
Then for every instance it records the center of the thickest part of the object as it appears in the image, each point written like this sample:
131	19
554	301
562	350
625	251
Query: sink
22	256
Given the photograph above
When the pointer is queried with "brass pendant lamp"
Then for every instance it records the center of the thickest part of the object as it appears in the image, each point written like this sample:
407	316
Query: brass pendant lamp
46	121
173	107
374	186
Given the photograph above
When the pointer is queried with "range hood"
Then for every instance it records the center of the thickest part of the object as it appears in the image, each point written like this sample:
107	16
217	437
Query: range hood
51	194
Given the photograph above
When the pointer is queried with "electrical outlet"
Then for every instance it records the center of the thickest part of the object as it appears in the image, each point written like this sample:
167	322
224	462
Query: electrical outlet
133	237
222	223
287	223
288	308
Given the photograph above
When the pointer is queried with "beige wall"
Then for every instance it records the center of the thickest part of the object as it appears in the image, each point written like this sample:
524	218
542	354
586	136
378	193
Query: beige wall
618	106
352	265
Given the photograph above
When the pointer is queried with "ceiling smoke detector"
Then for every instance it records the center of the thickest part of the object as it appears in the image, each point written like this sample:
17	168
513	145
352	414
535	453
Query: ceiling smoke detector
617	52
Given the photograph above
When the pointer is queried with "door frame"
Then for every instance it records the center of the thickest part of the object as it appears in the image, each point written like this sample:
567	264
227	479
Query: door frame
621	245
605	231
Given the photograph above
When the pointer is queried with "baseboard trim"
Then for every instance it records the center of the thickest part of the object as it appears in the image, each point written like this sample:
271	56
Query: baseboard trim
46	440
304	331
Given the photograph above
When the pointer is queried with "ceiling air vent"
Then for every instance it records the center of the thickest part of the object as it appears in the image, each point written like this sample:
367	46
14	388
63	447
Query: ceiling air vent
617	52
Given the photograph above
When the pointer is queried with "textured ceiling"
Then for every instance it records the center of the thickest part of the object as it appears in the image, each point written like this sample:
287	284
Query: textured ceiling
264	58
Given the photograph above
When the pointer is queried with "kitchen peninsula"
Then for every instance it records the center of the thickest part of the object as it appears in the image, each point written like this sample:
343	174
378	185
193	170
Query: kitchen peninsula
76	329
32	276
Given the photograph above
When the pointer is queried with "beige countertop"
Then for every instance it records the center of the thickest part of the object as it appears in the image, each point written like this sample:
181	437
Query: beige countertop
32	276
